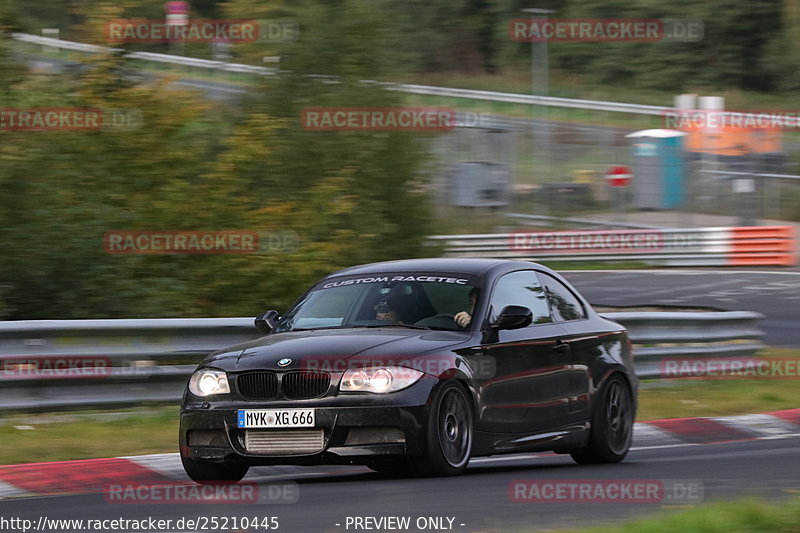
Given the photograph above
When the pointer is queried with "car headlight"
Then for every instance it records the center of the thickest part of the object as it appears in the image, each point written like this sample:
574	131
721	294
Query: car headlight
205	382
379	380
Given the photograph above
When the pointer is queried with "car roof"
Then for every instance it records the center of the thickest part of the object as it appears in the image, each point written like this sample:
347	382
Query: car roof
477	266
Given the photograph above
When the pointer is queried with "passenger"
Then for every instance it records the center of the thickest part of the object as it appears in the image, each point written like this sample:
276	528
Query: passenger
396	308
384	312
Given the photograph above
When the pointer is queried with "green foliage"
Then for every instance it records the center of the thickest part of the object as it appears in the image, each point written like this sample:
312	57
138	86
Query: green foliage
742	516
738	41
748	44
350	197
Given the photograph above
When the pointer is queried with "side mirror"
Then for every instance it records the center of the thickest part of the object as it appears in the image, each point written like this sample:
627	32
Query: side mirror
267	321
513	317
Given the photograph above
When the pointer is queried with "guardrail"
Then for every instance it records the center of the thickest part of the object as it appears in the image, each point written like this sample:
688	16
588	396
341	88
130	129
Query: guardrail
734	246
546	220
140	360
729	173
150	360
660	335
490	96
549	101
144	56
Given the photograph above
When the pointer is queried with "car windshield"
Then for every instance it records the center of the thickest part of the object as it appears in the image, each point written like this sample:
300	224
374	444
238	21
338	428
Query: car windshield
410	300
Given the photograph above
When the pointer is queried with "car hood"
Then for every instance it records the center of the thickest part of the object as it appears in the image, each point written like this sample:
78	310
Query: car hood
328	349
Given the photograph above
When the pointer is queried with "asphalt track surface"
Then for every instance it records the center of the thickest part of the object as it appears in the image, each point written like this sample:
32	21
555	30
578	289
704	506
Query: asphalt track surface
479	500
776	294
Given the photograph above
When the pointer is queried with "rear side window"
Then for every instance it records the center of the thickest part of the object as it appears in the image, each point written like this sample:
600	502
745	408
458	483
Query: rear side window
521	288
564	305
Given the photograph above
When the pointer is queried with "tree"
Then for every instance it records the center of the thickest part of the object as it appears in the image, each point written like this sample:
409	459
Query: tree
347	197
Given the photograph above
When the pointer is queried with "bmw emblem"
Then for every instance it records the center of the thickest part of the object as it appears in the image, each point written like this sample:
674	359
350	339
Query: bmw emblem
284	362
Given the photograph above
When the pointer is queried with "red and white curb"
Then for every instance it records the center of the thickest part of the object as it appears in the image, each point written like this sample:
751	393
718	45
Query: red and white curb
96	475
717	429
7	490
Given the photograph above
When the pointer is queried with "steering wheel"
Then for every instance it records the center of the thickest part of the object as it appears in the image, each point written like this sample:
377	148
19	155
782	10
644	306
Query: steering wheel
444	320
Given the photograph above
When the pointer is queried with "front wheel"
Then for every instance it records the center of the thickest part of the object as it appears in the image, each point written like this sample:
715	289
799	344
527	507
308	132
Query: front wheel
612	425
207	473
448	442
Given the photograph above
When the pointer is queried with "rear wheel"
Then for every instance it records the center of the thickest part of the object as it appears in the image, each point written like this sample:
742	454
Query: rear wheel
448	442
612	425
207	473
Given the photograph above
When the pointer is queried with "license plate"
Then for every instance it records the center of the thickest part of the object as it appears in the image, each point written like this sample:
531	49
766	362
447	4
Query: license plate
275	418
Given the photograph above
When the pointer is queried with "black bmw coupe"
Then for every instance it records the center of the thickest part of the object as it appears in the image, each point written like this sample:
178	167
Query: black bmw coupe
416	366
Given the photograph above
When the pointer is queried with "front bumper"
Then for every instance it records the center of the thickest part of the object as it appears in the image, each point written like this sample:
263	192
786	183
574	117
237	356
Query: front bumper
356	428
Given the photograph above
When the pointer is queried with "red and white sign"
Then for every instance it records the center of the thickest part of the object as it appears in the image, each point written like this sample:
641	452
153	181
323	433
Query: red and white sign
177	13
177	8
619	176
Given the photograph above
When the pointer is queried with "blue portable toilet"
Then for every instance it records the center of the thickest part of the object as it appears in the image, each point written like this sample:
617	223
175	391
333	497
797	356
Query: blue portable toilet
659	169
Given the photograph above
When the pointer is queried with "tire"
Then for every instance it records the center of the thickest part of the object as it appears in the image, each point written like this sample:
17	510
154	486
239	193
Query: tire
612	425
208	473
449	432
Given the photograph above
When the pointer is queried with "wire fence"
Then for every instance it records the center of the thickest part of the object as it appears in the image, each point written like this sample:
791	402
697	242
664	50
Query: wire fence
548	156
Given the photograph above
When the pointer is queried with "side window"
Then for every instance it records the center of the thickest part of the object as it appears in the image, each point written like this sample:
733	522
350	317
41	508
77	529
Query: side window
563	303
521	288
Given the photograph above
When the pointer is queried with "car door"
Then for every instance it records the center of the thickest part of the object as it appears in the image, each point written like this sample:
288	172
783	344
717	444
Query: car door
584	344
528	393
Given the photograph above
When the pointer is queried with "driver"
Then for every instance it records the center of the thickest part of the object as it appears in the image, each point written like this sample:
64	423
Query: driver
464	318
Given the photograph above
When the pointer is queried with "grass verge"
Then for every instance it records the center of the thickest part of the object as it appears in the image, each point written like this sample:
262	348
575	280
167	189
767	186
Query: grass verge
36	438
717	398
720	397
742	516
